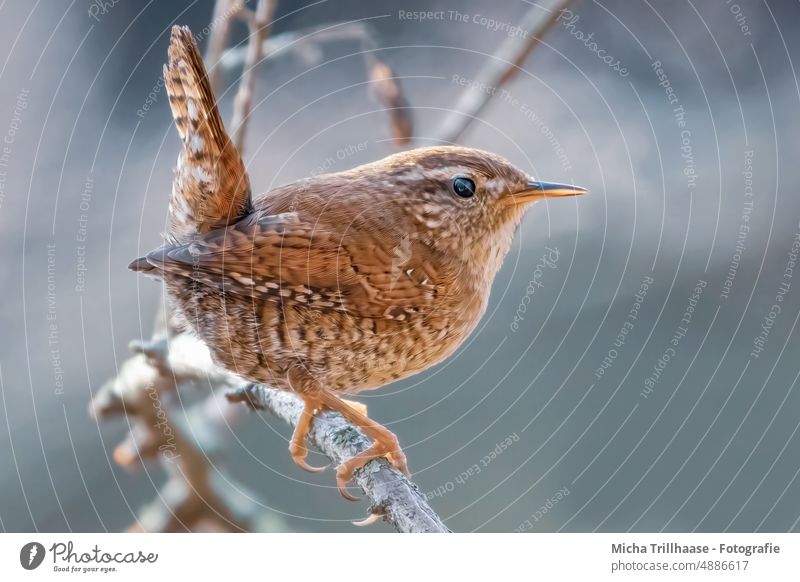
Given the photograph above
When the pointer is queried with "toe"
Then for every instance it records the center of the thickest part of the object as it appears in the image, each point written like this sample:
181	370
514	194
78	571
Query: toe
397	458
303	464
343	477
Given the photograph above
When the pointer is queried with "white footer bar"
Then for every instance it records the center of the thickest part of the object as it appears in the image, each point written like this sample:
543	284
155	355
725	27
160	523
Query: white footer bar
386	557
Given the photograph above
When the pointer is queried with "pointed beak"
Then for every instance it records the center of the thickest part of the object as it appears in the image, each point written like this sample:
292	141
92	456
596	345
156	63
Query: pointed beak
534	190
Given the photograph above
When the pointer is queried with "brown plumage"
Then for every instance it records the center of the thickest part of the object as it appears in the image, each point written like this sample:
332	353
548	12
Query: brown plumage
338	283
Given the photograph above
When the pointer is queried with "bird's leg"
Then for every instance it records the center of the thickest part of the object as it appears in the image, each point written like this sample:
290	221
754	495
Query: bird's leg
315	399
385	442
311	405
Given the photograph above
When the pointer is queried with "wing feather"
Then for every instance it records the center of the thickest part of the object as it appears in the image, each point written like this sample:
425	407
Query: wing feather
286	259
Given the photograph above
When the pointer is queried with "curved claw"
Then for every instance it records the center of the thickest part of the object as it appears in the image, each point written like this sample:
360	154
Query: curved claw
301	462
369	520
342	479
297	446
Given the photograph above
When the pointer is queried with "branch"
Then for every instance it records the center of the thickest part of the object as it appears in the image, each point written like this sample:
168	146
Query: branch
500	69
388	93
144	390
393	497
224	10
385	86
259	23
304	42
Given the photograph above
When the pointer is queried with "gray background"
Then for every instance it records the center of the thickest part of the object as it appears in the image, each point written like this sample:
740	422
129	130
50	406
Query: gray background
714	447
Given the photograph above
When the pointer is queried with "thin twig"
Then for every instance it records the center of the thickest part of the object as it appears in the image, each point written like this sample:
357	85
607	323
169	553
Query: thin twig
501	68
384	84
220	26
301	41
386	88
143	391
259	25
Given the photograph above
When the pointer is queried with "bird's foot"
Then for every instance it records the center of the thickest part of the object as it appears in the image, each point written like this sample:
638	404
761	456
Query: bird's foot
315	400
385	445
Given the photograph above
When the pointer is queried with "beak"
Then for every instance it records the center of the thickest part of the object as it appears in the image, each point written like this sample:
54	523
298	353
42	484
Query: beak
534	190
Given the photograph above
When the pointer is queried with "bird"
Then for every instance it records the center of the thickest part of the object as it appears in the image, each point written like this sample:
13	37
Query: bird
337	283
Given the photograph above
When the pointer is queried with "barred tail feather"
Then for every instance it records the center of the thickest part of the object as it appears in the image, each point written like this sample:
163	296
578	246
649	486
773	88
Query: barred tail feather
210	188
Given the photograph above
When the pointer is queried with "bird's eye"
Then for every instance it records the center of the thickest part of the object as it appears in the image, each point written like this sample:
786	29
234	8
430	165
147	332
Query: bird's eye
463	187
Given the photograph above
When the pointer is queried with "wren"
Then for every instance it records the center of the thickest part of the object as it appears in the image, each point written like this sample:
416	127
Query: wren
338	283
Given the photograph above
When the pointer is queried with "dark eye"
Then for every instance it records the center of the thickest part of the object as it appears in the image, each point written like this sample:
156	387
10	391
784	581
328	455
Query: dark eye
463	187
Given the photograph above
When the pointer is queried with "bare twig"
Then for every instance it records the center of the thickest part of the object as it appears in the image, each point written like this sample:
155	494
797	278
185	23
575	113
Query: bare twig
304	42
220	25
386	89
259	23
385	86
143	390
501	68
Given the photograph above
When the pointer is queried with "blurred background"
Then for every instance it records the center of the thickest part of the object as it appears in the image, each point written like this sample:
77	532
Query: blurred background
637	368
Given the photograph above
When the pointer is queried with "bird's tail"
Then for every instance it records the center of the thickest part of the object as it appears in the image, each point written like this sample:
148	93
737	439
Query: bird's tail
210	187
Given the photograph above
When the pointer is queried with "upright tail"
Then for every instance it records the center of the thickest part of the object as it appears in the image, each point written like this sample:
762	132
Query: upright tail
210	188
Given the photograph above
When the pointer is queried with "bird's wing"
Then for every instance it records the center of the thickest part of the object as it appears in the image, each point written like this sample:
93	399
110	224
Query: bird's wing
287	259
211	187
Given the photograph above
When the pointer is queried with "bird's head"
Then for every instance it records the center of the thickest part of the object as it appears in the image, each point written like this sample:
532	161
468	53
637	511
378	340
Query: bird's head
462	200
